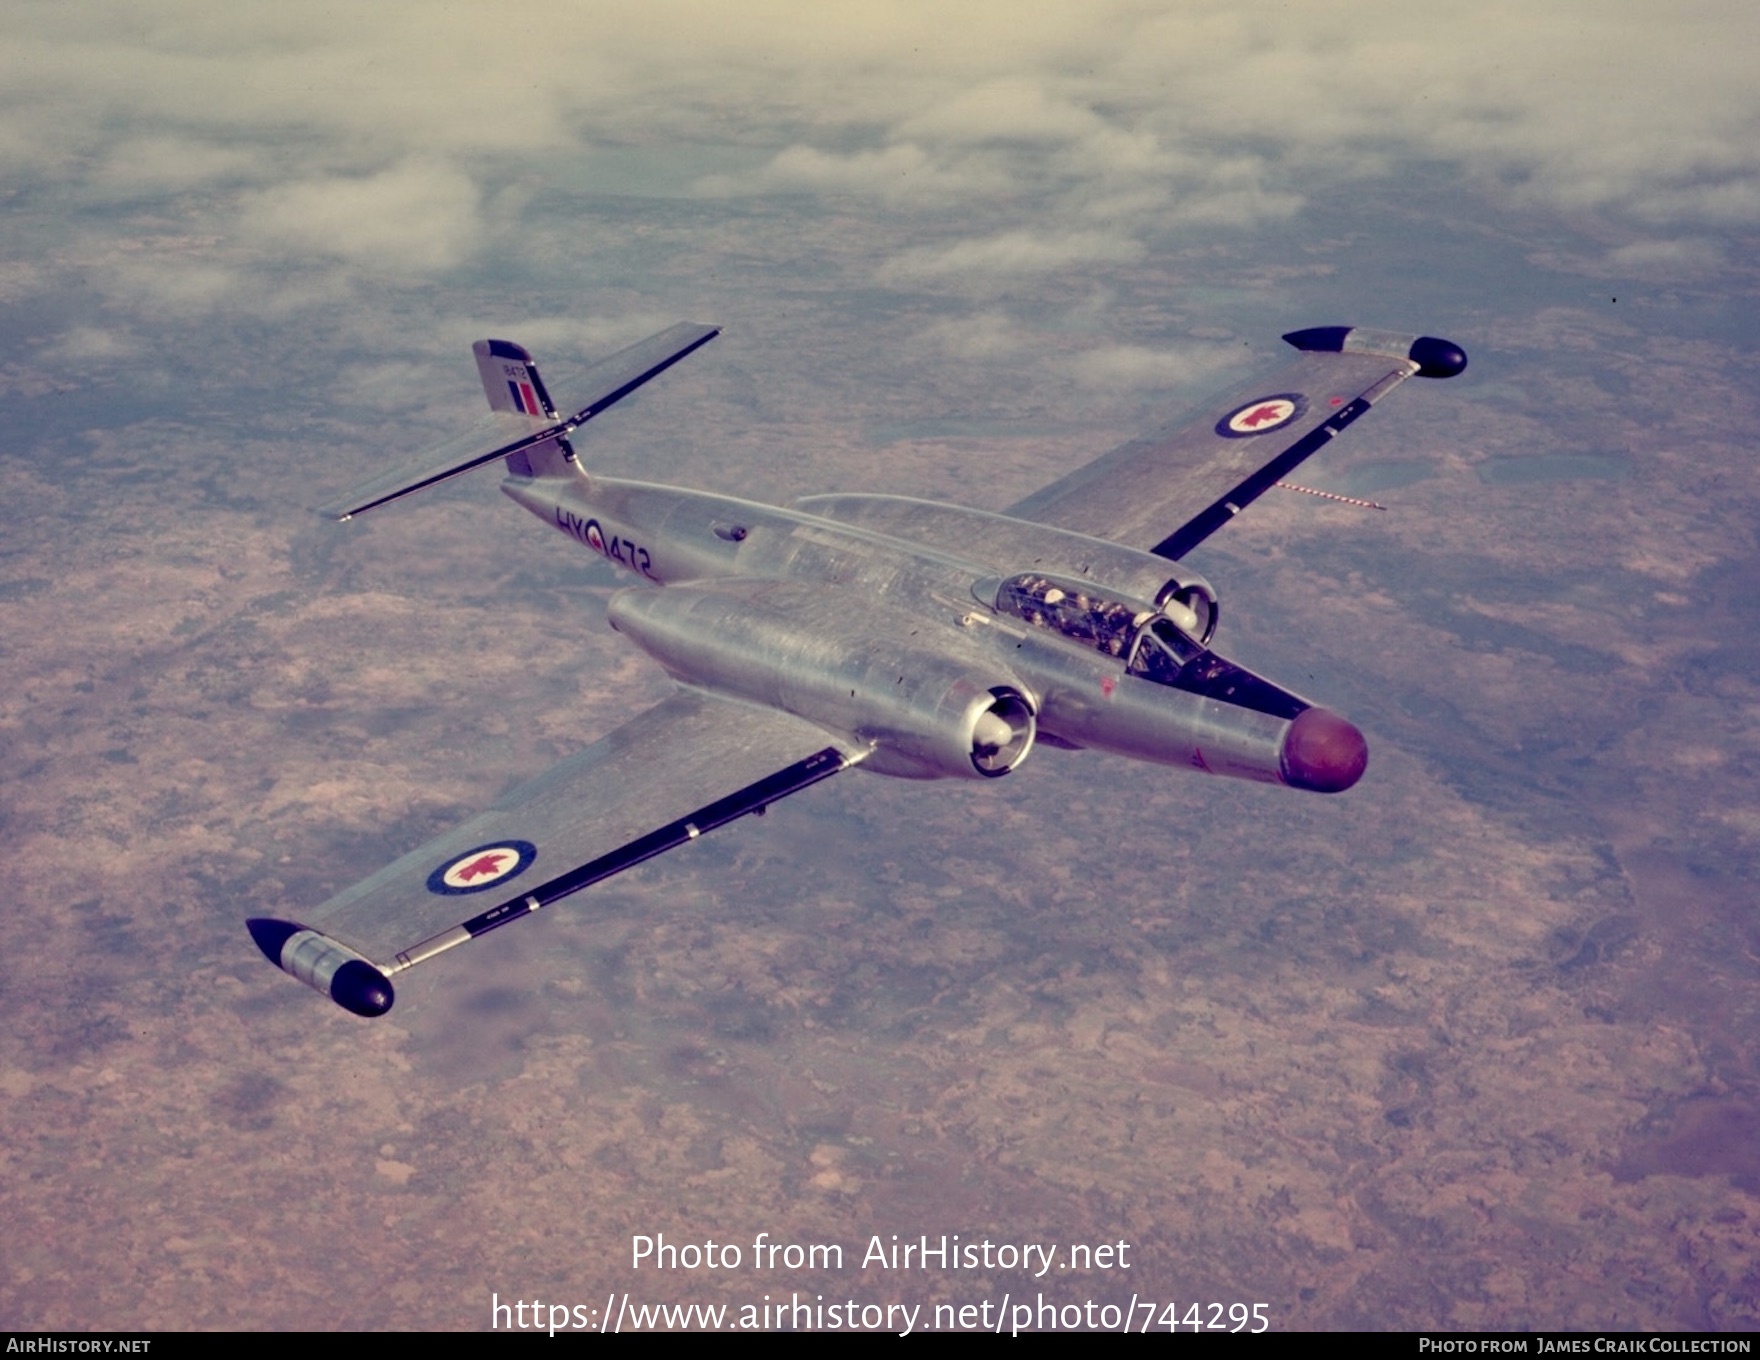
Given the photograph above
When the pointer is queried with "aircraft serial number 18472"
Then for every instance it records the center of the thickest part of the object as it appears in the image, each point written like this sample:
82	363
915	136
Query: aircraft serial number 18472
906	637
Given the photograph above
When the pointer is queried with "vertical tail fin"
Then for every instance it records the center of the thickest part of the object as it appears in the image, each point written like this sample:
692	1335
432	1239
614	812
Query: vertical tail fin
553	458
510	379
511	382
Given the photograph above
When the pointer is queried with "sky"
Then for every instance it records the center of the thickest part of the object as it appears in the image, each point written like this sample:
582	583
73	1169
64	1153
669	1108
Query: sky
1468	1047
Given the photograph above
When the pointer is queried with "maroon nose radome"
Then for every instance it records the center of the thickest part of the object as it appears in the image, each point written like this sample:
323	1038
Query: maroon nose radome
1323	752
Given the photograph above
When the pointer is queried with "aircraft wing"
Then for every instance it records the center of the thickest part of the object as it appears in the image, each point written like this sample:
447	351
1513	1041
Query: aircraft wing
1169	491
686	766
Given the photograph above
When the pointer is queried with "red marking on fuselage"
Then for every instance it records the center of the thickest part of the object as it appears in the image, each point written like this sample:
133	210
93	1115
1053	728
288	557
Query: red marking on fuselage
1260	416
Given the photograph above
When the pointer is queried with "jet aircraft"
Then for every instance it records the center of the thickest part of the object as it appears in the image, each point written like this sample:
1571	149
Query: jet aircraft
906	637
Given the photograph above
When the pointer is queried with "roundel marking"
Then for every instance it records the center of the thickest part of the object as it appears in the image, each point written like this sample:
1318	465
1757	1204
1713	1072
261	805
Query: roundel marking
1262	415
595	536
482	868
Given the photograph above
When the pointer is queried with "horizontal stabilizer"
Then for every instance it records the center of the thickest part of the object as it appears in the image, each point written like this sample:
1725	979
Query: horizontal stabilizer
496	436
514	427
611	380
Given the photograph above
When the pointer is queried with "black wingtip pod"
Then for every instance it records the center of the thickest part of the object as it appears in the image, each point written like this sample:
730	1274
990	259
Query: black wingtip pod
1437	358
324	965
271	935
359	987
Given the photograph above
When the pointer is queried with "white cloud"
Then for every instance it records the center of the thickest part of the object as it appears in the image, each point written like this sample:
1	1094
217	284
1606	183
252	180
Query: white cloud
1014	252
1616	105
168	284
1135	368
1064	135
172	162
1013	110
417	216
81	344
987	335
1667	258
902	170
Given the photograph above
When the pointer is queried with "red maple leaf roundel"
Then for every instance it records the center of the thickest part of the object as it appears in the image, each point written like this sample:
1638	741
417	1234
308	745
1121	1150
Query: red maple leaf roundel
1261	415
482	868
482	864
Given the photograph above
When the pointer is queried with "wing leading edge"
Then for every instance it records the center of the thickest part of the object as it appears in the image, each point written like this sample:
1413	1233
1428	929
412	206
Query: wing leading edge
1195	476
686	766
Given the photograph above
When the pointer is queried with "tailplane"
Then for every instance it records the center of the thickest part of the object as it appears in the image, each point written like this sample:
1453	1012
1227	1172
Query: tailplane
525	428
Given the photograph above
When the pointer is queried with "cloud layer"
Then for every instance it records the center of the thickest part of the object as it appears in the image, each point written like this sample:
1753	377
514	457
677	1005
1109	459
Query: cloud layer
377	140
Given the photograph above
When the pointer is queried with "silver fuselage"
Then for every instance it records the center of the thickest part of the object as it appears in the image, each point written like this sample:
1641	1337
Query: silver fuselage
872	616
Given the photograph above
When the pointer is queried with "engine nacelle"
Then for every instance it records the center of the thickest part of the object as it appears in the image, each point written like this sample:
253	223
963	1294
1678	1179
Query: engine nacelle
347	978
934	707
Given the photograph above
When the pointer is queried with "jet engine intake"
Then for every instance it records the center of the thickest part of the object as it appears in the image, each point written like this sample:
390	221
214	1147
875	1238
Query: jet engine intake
1003	733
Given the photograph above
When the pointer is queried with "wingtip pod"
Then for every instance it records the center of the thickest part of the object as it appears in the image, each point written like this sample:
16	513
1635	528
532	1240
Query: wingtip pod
1435	357
344	976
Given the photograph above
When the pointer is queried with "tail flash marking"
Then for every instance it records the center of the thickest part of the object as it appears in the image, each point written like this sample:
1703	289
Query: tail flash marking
510	379
524	401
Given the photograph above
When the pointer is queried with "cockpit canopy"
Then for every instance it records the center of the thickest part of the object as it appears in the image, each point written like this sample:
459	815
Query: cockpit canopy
1153	640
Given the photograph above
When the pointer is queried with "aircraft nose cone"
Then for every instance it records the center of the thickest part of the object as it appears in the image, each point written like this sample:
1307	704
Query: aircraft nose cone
1323	752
